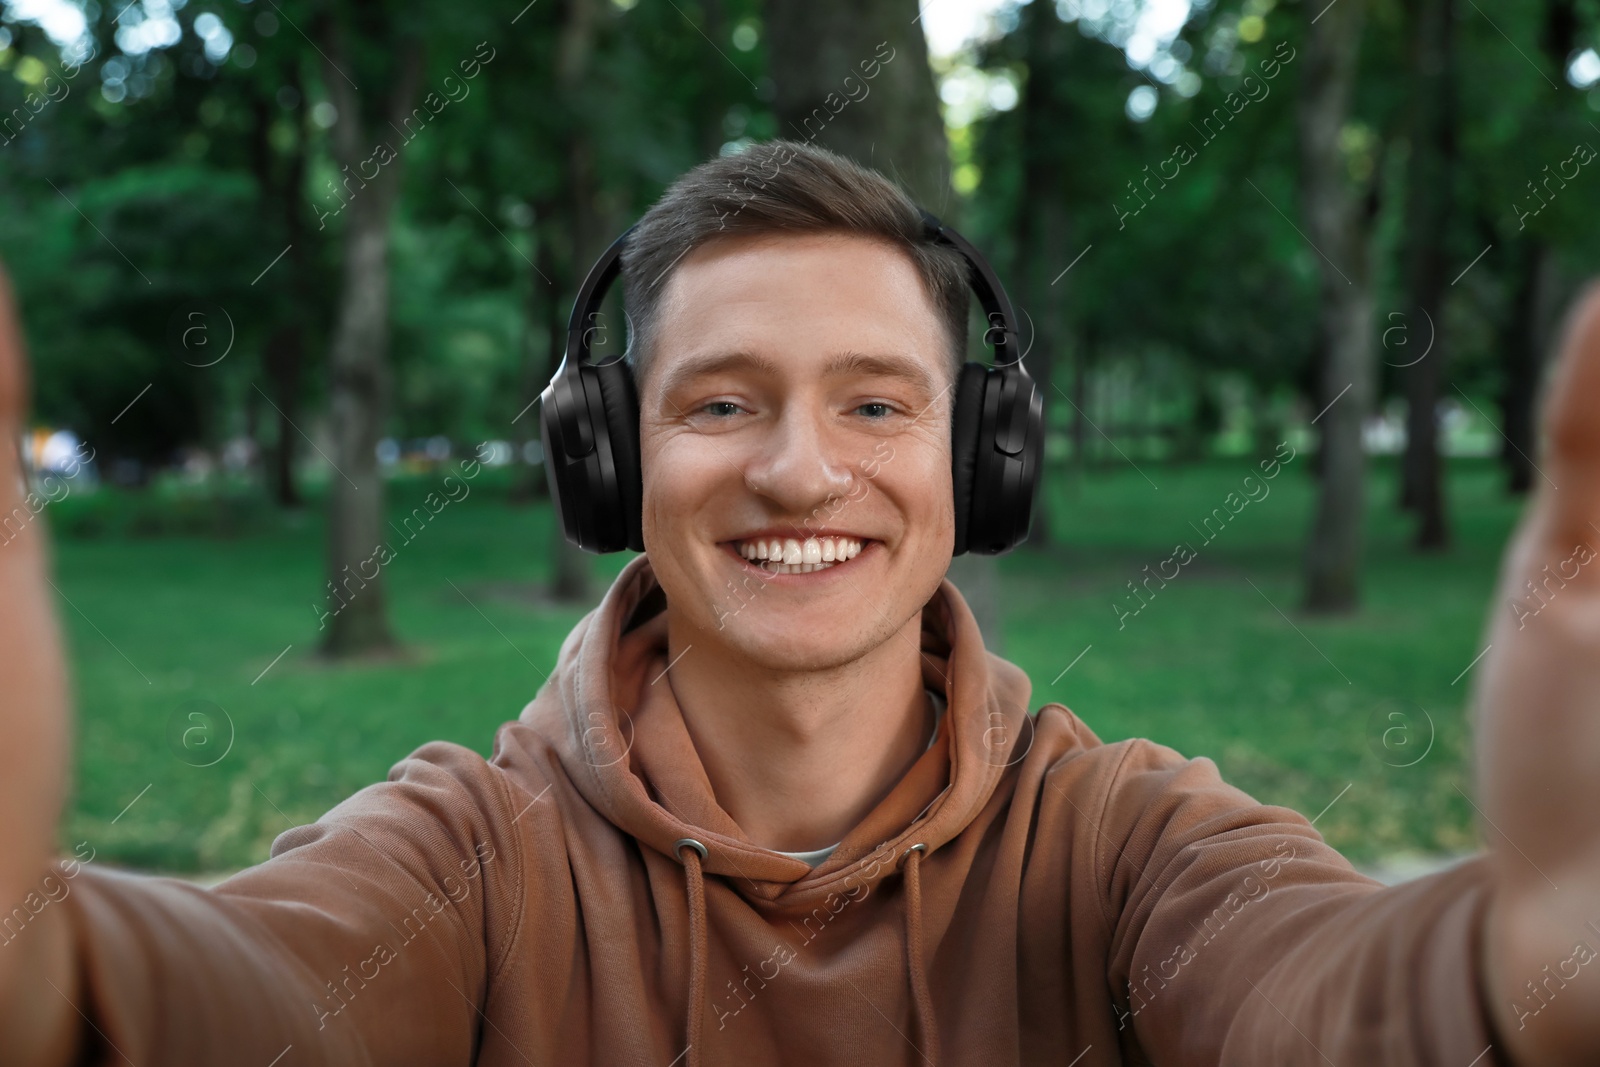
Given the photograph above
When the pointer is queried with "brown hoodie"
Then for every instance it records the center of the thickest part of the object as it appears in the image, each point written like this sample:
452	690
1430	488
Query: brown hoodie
1025	895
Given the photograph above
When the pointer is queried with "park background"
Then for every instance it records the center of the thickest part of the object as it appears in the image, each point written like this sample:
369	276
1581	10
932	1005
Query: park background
285	266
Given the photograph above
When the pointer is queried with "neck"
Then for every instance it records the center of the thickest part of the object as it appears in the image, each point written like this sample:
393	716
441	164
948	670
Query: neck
799	757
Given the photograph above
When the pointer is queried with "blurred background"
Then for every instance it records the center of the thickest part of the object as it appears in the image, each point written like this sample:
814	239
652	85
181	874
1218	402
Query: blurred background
293	274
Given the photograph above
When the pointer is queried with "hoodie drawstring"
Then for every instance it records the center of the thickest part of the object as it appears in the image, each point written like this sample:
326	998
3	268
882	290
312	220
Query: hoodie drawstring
694	878
922	1000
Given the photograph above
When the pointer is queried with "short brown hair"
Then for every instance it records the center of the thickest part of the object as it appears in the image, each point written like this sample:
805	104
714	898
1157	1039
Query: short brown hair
782	187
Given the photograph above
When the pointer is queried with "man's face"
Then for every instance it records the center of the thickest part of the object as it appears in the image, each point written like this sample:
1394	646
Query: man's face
757	426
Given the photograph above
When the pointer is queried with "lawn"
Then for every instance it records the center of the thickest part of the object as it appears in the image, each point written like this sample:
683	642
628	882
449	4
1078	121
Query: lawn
190	758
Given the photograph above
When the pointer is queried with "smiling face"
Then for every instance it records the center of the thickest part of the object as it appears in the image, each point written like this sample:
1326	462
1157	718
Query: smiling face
800	388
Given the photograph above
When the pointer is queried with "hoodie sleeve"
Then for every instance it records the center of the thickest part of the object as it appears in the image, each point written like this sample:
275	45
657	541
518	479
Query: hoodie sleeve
1240	937
368	937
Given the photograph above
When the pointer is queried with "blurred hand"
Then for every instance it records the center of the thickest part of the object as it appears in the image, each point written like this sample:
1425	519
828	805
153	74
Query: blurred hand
1537	710
34	742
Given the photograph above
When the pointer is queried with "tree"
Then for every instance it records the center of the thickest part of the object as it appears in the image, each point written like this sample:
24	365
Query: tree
1538	288
1040	226
1429	175
896	127
587	235
359	360
1338	223
281	180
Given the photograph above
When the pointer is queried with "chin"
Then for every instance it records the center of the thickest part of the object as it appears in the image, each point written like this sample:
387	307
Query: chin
773	646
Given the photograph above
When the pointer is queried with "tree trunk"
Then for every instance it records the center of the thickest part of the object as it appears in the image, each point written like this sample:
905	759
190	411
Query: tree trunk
1527	328
1428	206
289	365
1525	345
570	574
1040	227
541	353
1080	400
896	129
360	382
283	355
1337	223
723	86
571	578
360	365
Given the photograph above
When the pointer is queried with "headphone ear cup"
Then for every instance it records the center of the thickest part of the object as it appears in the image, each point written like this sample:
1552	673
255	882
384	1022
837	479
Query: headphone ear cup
968	414
1008	461
567	430
621	400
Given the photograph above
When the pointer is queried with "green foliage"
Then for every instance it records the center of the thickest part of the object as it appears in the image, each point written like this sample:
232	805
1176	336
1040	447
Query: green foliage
178	181
163	237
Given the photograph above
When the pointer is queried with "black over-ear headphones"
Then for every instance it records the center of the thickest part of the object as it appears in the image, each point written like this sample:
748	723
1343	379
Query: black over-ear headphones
589	426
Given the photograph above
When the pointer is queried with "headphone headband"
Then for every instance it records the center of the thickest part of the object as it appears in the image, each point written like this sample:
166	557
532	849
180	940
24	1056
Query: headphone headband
591	294
991	294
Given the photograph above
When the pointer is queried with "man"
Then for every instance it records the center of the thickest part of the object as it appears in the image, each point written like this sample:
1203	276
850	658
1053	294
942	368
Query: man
815	822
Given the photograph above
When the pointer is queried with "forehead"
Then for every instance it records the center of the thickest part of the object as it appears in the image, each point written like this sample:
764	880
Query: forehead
803	305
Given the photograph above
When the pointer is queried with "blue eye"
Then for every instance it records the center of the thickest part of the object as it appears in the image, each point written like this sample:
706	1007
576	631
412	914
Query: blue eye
887	410
720	404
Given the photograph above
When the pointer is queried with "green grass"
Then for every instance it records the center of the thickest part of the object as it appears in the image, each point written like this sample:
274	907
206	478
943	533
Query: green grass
159	627
1292	709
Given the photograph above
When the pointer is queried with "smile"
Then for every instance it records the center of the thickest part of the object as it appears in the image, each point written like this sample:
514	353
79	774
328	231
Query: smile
789	555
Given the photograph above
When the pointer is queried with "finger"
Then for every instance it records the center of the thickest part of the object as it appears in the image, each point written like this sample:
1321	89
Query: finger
1536	696
34	723
1571	421
1549	582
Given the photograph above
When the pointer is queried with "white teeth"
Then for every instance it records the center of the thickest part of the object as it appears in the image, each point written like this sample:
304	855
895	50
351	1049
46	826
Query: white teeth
800	557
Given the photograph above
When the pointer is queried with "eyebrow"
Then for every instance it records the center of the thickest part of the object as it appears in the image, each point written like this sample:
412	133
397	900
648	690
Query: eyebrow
839	365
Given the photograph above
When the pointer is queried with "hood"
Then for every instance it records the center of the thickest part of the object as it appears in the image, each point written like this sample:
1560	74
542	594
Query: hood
609	711
611	714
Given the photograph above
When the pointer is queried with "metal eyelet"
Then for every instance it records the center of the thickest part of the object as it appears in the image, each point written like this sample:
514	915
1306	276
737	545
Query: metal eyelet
677	847
918	847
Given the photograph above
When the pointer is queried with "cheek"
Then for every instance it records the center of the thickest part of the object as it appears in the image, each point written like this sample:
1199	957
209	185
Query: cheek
658	491
917	480
678	481
661	506
927	464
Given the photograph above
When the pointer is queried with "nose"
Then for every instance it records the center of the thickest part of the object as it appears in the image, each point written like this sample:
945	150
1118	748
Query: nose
798	464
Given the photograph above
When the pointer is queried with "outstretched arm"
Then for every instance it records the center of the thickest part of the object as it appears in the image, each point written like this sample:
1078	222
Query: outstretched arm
1243	938
372	936
37	1025
1537	710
